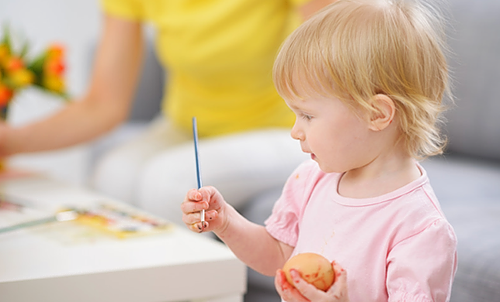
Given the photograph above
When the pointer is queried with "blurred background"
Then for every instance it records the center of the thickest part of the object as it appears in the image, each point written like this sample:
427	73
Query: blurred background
473	123
74	24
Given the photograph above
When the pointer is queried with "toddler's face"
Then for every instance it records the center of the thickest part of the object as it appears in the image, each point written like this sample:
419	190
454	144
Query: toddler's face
337	139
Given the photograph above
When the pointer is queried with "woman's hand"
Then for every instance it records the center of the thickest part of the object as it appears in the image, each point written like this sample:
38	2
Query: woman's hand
210	200
3	140
305	292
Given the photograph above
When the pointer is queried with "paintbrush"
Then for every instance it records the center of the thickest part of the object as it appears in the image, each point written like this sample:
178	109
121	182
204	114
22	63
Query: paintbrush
198	173
59	217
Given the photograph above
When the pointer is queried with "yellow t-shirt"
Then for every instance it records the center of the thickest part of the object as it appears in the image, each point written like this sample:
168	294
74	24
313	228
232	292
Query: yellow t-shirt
219	56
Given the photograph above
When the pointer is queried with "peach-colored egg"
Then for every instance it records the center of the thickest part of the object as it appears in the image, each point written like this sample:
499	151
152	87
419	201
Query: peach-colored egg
313	268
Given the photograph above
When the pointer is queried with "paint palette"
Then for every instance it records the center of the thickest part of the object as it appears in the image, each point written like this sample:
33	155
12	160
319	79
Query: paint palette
122	223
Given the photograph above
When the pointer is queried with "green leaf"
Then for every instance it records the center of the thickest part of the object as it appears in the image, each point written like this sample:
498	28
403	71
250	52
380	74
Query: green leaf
36	66
6	38
24	50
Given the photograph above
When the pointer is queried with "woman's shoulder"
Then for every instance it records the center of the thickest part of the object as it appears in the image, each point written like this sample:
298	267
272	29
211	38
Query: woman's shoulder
127	9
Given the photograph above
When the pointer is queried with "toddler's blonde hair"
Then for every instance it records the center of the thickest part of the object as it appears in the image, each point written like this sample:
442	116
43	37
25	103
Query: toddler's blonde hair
356	49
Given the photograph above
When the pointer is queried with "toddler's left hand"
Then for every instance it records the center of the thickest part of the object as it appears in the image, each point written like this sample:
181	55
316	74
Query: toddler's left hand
305	292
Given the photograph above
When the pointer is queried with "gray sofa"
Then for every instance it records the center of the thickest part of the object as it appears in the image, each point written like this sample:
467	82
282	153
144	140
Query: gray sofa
466	179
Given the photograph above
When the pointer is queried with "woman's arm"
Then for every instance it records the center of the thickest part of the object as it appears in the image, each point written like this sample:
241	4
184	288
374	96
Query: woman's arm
105	105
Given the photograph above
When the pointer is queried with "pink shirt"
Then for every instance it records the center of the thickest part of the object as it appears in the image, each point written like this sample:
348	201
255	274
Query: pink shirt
395	247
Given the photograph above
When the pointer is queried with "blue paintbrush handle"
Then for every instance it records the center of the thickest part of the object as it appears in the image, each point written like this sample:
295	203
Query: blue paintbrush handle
198	173
195	138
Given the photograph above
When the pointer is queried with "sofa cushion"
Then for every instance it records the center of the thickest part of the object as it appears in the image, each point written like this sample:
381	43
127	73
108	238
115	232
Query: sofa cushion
473	125
478	274
469	193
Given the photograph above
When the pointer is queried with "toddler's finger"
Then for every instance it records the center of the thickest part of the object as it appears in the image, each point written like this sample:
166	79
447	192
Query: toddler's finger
280	281
210	215
194	195
308	292
195	227
191	218
339	288
202	226
206	194
340	273
189	207
192	206
282	286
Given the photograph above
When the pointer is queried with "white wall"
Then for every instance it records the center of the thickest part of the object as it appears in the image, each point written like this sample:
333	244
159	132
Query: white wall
75	24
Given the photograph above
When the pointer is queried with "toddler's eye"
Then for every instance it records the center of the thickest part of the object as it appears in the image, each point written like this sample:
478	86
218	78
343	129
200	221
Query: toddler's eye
306	116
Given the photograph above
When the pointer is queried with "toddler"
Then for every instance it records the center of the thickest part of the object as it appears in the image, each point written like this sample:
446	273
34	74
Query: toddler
365	80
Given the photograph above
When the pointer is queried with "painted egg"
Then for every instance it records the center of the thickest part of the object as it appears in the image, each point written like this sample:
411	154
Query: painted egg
313	268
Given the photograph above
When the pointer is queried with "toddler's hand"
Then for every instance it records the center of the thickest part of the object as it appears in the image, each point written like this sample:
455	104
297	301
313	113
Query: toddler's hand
208	199
305	292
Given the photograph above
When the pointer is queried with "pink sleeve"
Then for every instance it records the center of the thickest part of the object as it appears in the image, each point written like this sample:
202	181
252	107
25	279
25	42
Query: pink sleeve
421	268
283	224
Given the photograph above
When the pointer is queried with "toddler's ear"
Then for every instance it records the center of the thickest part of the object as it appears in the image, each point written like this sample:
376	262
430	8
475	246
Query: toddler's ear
383	114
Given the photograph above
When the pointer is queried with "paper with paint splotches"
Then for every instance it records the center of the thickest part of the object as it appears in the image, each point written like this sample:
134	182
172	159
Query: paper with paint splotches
122	223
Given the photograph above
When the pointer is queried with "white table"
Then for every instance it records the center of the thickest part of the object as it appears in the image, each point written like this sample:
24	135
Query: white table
42	263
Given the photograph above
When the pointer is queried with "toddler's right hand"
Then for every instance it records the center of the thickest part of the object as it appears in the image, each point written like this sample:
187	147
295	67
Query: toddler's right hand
208	199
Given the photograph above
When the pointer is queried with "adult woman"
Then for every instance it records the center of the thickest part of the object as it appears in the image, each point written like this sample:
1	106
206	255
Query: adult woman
219	57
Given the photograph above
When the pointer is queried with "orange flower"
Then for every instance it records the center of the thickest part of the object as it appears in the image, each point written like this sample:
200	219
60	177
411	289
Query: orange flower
55	67
55	51
5	95
13	64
